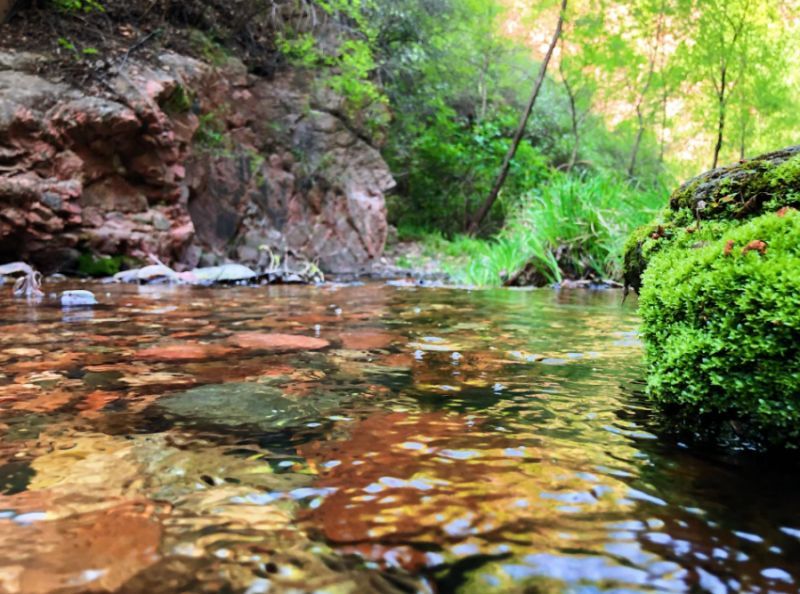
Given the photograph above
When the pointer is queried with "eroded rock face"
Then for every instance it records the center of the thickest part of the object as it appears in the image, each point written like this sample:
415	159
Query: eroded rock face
186	162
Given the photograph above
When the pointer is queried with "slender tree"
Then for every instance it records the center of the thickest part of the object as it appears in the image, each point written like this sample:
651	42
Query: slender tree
523	122
656	48
576	86
720	38
572	100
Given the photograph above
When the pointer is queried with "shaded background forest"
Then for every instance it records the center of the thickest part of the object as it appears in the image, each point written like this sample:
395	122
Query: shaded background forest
640	95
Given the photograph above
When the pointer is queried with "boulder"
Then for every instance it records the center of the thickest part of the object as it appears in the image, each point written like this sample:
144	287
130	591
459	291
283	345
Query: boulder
246	406
719	281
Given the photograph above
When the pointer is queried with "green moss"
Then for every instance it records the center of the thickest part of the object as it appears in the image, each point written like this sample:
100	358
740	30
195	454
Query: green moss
212	135
101	266
210	49
634	260
738	193
683	197
744	190
784	181
787	173
720	323
722	332
179	101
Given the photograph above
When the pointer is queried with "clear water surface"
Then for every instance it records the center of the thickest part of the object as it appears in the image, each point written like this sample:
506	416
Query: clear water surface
363	439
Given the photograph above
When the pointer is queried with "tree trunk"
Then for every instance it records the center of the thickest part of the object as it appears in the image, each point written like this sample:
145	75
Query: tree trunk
663	140
573	112
651	68
637	142
523	122
483	87
721	126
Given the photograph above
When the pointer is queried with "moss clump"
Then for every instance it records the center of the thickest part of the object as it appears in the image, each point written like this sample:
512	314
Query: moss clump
734	193
721	324
209	48
102	266
719	279
670	227
179	101
742	190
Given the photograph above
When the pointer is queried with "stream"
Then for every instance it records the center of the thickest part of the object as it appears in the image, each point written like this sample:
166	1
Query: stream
363	438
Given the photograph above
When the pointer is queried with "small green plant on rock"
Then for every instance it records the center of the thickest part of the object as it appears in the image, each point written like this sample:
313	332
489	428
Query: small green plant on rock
179	101
102	266
78	5
79	53
210	134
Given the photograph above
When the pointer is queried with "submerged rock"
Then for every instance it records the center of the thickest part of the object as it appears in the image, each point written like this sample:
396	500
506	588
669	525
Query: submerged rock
259	341
247	404
78	299
719	274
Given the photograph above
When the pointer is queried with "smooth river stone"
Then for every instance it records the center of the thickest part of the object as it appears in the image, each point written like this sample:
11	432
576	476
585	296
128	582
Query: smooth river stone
77	299
247	404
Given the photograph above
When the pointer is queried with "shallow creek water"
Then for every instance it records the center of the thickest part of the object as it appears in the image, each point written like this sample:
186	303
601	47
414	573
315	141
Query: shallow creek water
399	440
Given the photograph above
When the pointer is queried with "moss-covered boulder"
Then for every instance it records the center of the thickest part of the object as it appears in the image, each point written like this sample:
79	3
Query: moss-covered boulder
719	282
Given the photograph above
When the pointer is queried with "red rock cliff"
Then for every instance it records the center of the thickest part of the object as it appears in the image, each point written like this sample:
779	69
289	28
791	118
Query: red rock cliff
185	161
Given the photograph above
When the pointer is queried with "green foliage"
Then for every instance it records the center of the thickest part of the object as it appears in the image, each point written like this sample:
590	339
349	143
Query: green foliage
348	67
489	263
78	53
301	50
457	87
211	133
179	101
573	225
101	266
450	166
723	332
78	5
354	65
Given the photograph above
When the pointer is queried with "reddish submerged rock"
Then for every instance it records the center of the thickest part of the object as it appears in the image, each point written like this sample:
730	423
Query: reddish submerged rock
277	342
187	351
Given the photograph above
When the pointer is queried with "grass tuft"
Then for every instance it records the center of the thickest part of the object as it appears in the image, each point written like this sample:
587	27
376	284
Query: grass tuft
572	226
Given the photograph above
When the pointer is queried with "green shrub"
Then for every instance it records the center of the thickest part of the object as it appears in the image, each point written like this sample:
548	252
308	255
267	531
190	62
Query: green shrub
722	332
448	165
569	226
100	266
